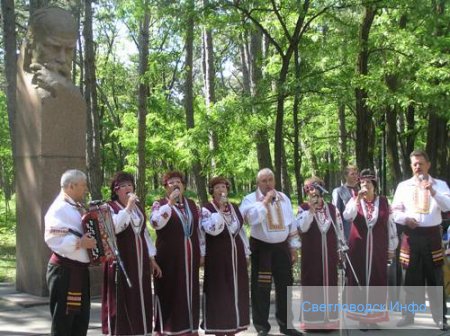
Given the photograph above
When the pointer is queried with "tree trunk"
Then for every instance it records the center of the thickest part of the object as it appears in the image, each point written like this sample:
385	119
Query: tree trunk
210	79
93	155
143	93
294	41
438	130
406	143
410	125
437	144
245	64
261	136
200	180
297	156
286	182
391	144
279	123
364	124
342	138
391	132
10	59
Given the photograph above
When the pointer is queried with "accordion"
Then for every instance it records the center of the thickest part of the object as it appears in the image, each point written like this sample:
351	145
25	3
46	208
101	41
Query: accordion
99	224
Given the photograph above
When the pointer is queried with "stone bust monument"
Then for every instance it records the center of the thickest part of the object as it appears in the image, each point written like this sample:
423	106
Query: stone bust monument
50	134
47	52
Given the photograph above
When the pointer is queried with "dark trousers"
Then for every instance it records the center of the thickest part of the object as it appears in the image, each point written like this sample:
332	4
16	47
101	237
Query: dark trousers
422	271
63	324
281	269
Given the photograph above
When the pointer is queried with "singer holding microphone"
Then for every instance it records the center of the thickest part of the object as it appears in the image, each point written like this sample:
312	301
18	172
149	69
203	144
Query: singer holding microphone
125	310
418	203
372	243
273	243
178	244
225	288
322	232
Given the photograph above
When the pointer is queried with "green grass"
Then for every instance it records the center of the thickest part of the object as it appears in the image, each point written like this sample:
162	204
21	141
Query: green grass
7	242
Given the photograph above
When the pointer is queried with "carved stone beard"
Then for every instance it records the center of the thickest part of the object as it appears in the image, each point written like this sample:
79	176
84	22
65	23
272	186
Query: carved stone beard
64	70
44	55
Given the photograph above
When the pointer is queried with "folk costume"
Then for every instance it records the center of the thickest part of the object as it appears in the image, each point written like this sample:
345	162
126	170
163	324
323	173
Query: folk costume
372	234
178	244
125	310
225	288
67	272
319	262
273	234
421	253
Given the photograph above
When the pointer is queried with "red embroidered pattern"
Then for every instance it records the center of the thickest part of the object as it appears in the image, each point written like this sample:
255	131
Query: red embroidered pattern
370	207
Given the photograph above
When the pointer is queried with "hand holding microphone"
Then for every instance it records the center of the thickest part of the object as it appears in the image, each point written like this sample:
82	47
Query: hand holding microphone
174	196
425	183
223	202
313	202
271	197
132	199
362	193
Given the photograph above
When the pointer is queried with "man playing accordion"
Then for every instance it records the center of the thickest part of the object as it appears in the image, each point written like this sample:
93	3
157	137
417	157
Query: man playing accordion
67	273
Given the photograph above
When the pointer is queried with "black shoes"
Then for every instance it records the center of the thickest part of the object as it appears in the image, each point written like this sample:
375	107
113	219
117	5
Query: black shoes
263	333
405	321
291	332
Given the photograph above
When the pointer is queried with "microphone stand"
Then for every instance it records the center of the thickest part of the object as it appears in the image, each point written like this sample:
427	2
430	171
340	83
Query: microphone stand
342	250
112	242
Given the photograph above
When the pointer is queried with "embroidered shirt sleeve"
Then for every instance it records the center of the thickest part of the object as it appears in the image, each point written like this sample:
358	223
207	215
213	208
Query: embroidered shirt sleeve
293	237
212	223
398	207
160	215
121	220
442	196
255	213
150	246
201	241
55	221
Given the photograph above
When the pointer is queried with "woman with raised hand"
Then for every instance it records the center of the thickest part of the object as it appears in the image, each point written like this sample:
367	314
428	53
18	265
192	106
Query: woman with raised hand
179	239
322	235
225	288
373	240
128	310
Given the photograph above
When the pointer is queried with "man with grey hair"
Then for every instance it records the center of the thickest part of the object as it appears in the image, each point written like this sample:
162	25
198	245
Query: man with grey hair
67	272
273	242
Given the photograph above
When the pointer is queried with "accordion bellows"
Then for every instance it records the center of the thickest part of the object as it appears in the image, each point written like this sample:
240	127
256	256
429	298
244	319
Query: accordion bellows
98	222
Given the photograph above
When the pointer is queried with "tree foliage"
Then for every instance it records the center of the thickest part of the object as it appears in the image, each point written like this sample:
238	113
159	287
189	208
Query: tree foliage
306	101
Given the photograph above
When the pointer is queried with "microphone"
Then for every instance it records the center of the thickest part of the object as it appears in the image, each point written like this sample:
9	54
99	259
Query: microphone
133	194
274	199
224	200
422	177
177	200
